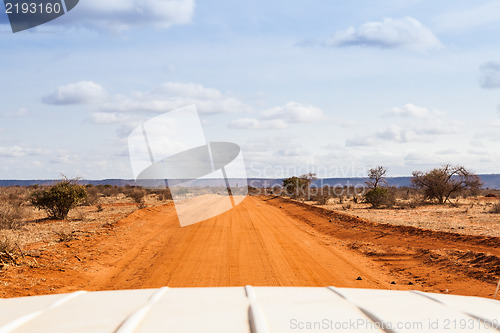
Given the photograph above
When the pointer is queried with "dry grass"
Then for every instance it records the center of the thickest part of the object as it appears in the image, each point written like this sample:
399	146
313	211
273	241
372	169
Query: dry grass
495	209
65	236
473	216
6	245
11	216
25	232
28	226
7	252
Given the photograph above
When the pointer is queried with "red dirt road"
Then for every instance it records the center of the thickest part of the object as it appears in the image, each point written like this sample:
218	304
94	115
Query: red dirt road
253	244
262	242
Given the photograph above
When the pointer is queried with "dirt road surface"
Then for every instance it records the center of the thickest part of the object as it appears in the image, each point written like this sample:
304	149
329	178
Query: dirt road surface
262	242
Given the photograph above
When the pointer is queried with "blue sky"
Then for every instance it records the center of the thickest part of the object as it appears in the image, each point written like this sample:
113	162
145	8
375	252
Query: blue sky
322	86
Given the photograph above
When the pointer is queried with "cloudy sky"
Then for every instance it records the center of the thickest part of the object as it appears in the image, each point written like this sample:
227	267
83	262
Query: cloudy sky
307	85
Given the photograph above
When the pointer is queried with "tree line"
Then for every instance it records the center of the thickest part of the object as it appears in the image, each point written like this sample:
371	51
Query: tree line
439	185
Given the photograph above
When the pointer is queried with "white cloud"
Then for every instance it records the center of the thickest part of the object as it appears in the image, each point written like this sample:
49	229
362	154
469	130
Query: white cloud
19	113
20	151
347	123
126	109
122	15
256	124
422	126
261	144
489	75
107	118
188	90
391	33
396	134
418	156
438	127
276	156
173	95
83	92
294	112
361	141
121	108
279	117
63	158
399	134
412	111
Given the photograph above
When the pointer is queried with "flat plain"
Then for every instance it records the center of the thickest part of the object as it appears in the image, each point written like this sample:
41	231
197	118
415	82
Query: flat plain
264	241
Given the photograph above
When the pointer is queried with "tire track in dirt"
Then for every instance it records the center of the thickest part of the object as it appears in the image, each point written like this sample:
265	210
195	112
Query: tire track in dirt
353	225
254	243
444	261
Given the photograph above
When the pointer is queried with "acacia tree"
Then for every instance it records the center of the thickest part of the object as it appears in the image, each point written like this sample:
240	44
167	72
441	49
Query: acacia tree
378	195
294	186
377	177
308	178
440	183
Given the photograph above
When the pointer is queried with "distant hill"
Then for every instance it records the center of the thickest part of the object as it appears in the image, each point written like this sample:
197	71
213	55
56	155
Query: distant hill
490	181
113	182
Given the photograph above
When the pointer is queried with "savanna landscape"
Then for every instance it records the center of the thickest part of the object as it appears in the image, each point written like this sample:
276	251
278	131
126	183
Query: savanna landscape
250	166
296	234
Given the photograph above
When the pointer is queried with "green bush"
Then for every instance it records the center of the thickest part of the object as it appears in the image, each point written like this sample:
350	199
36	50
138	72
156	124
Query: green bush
379	196
59	199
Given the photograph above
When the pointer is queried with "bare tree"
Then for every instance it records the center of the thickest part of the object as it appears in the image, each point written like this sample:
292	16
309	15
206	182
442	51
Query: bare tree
440	183
309	178
377	177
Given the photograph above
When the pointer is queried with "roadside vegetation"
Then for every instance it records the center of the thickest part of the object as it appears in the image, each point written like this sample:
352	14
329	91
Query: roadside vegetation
378	194
68	210
59	199
446	198
63	212
441	185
